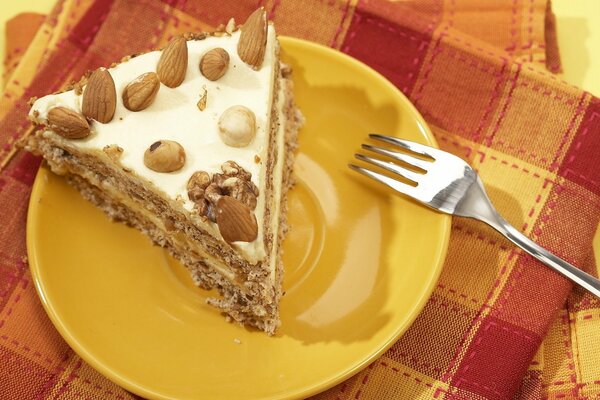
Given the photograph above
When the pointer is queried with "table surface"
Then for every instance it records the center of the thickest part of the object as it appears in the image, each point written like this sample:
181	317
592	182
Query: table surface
578	24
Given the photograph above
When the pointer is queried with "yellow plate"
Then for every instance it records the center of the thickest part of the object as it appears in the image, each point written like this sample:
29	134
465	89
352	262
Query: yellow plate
360	263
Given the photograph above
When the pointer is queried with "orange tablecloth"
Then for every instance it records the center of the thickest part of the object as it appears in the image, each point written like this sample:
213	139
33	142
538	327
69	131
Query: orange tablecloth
481	74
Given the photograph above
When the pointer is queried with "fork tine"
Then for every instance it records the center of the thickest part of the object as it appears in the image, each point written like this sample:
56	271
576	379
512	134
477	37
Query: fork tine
405	144
410	160
389	166
386	180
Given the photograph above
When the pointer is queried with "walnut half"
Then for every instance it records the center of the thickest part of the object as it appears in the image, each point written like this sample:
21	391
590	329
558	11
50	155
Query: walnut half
234	181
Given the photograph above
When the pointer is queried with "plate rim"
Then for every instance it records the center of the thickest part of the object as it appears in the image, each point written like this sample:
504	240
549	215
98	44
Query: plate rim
310	389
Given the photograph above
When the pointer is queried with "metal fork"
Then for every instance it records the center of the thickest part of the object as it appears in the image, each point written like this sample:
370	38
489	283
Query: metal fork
450	185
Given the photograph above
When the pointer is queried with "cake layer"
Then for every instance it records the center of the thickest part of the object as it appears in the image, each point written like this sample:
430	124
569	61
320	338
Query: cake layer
174	115
193	145
250	294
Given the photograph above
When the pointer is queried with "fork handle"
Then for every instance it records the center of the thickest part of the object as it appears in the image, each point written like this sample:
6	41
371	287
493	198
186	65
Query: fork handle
558	264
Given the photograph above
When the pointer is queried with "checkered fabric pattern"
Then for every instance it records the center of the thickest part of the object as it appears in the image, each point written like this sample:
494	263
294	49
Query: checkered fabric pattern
499	325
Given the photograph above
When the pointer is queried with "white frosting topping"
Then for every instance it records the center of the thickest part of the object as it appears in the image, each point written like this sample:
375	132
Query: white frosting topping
174	115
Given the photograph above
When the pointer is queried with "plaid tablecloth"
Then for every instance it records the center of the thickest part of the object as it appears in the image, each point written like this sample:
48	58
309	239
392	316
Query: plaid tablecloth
499	325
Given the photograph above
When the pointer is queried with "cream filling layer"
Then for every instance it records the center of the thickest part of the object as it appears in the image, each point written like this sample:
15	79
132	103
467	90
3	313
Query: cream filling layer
181	240
174	116
278	177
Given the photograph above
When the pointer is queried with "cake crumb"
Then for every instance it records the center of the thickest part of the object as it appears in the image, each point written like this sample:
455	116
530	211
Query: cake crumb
78	88
230	27
228	318
256	158
202	102
113	151
237	341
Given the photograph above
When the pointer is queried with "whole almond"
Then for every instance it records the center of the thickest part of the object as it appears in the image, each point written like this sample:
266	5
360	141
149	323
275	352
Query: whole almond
253	39
100	97
173	62
237	223
67	123
214	63
141	92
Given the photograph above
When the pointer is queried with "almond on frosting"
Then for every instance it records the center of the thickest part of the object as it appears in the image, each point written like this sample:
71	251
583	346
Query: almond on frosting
67	123
236	222
253	39
140	93
173	62
100	97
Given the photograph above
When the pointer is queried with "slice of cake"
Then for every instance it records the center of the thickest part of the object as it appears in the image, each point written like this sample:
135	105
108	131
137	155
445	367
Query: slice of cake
193	145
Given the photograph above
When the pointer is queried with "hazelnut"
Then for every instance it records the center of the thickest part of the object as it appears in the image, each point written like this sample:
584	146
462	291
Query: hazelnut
237	126
214	63
164	156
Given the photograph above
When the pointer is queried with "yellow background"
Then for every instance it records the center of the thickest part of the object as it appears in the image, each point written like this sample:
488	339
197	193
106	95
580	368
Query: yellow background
578	36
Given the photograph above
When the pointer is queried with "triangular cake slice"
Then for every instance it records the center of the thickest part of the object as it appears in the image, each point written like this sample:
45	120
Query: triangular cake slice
193	145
